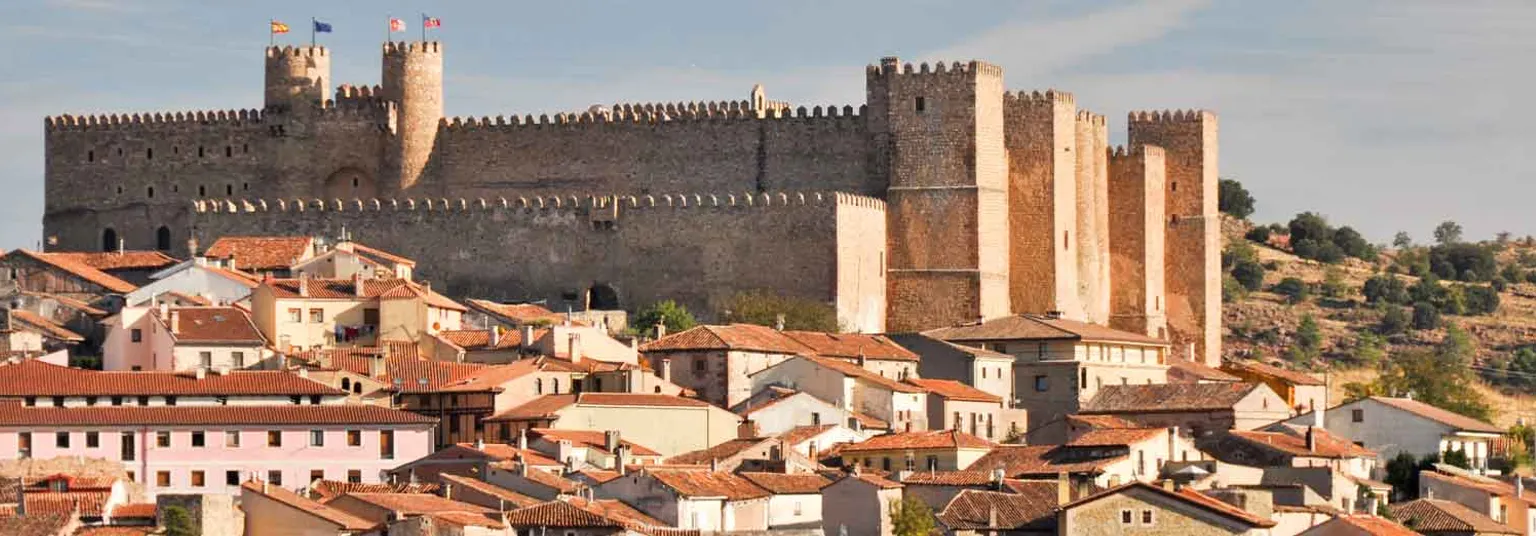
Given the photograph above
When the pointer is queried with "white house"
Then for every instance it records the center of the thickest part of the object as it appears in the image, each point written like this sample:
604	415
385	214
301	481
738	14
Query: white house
196	277
796	500
777	410
1392	425
850	387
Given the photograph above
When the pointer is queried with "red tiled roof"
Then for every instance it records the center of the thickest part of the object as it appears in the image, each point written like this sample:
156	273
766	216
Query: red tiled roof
1435	515
781	483
248	280
376	254
480	339
948	478
1018	461
1448	418
427	376
592	439
135	510
1294	443
34	525
304	504
506	452
598	475
708	484
544	478
119	260
346	289
855	371
116	531
799	434
43	325
851	345
324	490
1114	437
69	302
90	503
513	498
183	298
559	514
979	510
875	480
1182	370
516	313
215	325
616	510
954	390
1167	397
15	414
1101	421
261	252
80	270
717	452
933	439
418	503
1039	328
1290	376
743	337
36	378
1374	526
544	407
1188	496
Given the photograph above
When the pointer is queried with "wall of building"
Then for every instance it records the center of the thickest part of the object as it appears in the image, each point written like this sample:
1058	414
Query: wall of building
1137	244
1385	429
806	376
266	517
667	430
1040	135
857	506
787	510
1103	516
981	419
1092	201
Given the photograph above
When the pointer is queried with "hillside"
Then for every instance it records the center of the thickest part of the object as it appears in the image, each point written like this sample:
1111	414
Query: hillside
1263	324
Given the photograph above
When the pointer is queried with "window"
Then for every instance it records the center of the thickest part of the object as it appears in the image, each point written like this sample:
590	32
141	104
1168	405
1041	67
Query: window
90	401
1146	517
163	238
221	400
202	191
698	365
387	444
163	439
205	359
295	315
554	385
921	104
133	477
137	335
1125	517
129	451
170	401
1066	240
1357	415
150	192
274	438
346	384
316	438
314	400
885	464
316	474
958	424
197	479
163	479
316	316
232	439
58	401
1042	383
538	386
911	464
797	507
117	401
90	156
144	400
61	440
24	445
371	317
31	401
933	462
354	438
275	477
92	440
231	478
198	439
229	189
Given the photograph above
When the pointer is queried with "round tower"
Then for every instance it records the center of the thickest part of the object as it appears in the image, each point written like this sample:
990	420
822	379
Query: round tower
297	76
413	80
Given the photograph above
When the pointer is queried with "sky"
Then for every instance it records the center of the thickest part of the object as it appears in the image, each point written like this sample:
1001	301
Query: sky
1387	115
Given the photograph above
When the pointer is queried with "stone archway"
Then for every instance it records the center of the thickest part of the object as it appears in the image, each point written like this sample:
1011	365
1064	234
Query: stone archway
109	239
350	183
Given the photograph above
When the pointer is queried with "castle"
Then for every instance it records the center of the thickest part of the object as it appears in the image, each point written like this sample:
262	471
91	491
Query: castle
942	199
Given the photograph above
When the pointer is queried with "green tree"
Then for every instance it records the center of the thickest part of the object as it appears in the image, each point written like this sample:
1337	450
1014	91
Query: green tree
1309	339
1403	475
1426	316
1294	290
1231	290
1353	244
1258	234
1333	283
1394	320
1401	240
178	522
1463	261
1448	232
1385	288
1481	300
665	312
1370	349
912	517
1310	226
1442	378
1457	458
764	309
1249	273
1233	199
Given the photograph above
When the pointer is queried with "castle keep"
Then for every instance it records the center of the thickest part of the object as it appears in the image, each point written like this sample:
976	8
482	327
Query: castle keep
942	199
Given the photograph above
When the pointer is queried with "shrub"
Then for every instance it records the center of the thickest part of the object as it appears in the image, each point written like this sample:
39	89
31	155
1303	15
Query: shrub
1481	300
1353	244
1249	274
1393	321
1233	199
1333	283
764	308
667	312
1294	290
1258	234
1385	288
1426	316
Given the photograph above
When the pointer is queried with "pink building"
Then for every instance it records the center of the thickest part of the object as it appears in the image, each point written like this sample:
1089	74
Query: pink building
212	449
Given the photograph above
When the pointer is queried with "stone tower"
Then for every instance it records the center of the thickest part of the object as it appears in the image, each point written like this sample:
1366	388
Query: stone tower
413	80
297	77
1137	245
1042	209
1092	216
937	134
1192	261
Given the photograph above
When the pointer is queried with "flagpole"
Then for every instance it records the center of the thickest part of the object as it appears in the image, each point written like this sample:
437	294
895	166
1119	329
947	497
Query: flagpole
311	32
423	27
271	35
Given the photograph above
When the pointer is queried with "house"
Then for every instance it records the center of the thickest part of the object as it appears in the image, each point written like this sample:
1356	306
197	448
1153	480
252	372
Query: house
1302	392
391	508
982	512
178	339
850	387
750	451
483	314
306	313
521	477
1142	508
25	332
985	370
563	517
62	275
859	503
1504	502
875	353
35	383
1359	525
274	511
1182	370
462	396
473	460
262	255
942	450
717	361
1106	454
591	448
812	440
1201	408
132	266
1060	364
796	499
668	424
704	500
956	406
72	314
779	409
1292	446
196	277
479	492
938	488
1436	517
94	499
347	258
1392	425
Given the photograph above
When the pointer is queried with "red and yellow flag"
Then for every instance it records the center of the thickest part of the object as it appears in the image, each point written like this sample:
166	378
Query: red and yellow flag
279	28
396	25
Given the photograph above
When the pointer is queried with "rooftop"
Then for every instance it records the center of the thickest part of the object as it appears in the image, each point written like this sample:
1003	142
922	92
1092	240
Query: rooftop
1167	397
1369	525
559	514
512	498
593	439
932	439
346	289
43	325
15	414
1187	496
980	510
1019	461
781	483
1434	515
851	345
1039	328
516	313
80	270
215	325
324	490
36	378
740	337
721	451
546	406
119	260
1294	442
1294	377
261	252
1182	370
1449	418
699	484
860	373
954	390
304	504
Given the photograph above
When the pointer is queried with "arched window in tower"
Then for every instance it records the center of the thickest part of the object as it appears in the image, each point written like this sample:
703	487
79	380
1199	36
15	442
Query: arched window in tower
229	151
150	192
346	384
229	189
163	238
202	191
108	239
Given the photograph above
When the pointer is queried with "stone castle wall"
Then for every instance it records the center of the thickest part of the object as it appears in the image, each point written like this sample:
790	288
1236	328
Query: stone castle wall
1040	134
1092	234
1136	237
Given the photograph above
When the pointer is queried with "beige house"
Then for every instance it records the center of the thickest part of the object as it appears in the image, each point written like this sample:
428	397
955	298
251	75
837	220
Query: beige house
943	450
307	314
956	406
851	387
1105	452
705	500
985	370
1060	364
1504	501
1358	525
1302	391
274	511
261	255
347	258
166	338
859	504
670	425
1141	508
1392	425
1200	408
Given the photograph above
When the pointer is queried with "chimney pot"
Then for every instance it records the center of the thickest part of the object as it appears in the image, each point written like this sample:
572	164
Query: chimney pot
304	285
661	330
611	440
527	341
575	347
1311	439
175	322
1063	488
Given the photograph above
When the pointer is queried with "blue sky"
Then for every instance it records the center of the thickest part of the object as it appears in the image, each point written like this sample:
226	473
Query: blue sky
1383	114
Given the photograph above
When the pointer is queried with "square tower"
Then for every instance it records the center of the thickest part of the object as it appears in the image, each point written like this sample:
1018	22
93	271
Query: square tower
1042	204
1136	216
938	136
1092	216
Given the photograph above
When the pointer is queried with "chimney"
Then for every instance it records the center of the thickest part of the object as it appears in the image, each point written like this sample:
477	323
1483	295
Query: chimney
665	369
621	459
200	373
1311	439
495	336
192	248
303	372
611	440
747	429
1519	486
527	342
1168	484
1317	416
357	284
304	285
522	465
1063	488
263	487
522	439
376	368
175	322
448	491
1173	443
714	465
991	517
778	322
119	246
230	263
575	347
563	452
661	330
165	310
479	442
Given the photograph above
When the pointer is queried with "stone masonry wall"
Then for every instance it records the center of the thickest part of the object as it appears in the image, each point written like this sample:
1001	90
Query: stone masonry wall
1136	220
1092	230
1040	134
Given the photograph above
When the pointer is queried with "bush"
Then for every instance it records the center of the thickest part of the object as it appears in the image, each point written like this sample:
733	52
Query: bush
1463	261
1309	339
1258	234
1393	321
1369	349
764	308
1453	301
1231	290
1353	244
1233	199
1385	288
1294	290
1426	316
1481	300
1448	232
667	312
1249	274
1333	284
1238	252
1310	226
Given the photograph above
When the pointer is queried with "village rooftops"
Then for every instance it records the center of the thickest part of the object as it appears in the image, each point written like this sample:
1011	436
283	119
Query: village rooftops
1186	496
1369	525
860	373
1455	476
546	406
1110	437
1182	370
304	504
755	338
512	498
348	289
14	414
708	484
119	260
213	325
79	269
1167	397
35	322
1020	461
261	252
980	510
1039	328
1461	423
934	439
516	314
592	439
559	514
1293	442
480	339
36	378
721	451
954	390
788	484
324	490
1441	516
1293	377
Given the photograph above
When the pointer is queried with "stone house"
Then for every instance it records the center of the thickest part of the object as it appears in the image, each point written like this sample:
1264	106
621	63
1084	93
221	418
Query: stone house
780	409
1141	508
1303	392
851	387
132	266
261	255
591	448
1436	517
813	440
716	362
564	518
796	499
1292	446
956	406
668	424
72	314
393	508
985	370
23	332
473	490
860	504
1359	525
1200	408
1028	511
942	450
1060	364
65	276
1505	502
876	353
307	314
1392	425
275	511
197	277
750	451
185	339
703	500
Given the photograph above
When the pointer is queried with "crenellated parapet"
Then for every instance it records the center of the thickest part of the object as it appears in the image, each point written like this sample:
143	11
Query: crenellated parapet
1170	116
542	203
1090	118
1049	97
190	120
970	68
1138	151
832	115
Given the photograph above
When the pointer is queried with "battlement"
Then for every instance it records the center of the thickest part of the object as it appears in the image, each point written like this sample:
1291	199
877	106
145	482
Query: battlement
1170	116
128	121
350	92
537	203
297	52
1037	98
891	66
1085	116
675	108
843	115
395	48
1122	152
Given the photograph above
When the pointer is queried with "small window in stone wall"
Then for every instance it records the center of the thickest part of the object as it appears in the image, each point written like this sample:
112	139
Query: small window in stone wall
245	186
200	153
1066	240
202	191
149	154
1173	186
90	156
229	189
150	192
245	148
921	104
229	151
119	151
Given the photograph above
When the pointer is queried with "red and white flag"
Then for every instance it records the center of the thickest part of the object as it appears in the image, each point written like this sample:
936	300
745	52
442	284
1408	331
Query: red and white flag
431	22
396	25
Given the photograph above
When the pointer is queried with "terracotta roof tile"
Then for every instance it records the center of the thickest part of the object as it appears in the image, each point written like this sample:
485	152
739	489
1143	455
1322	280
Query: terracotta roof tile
743	337
1114	437
708	484
1375	526
954	390
1294	443
1434	515
948	478
1182	370
135	510
592	439
1448	418
120	260
721	451
34	525
513	498
417	503
598	476
15	414
480	339
43	326
516	313
261	252
215	325
36	378
1167	397
66	301
324	490
861	373
544	407
375	254
616	510
545	478
1038	328
346	289
1101	421
91	503
1295	377
116	531
781	483
851	345
81	270
979	510
1018	461
559	514
800	434
876	480
304	504
932	439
